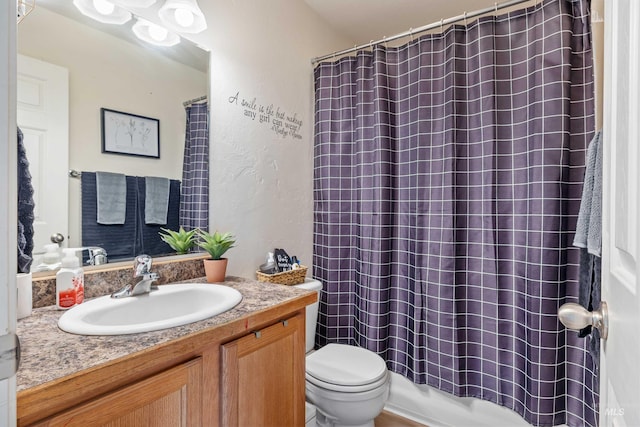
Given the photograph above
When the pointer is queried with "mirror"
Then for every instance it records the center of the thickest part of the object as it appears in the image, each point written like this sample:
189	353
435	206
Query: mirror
111	70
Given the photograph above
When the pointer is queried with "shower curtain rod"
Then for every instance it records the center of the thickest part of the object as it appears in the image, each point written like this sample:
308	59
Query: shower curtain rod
412	31
194	100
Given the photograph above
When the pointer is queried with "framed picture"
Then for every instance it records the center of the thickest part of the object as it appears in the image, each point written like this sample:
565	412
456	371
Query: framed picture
130	134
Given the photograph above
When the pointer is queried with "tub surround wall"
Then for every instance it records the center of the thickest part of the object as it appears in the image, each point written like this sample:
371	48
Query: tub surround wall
106	279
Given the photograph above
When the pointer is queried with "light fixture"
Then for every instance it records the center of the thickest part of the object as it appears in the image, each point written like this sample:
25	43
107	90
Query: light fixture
154	34
138	4
179	16
103	11
104	7
24	7
183	16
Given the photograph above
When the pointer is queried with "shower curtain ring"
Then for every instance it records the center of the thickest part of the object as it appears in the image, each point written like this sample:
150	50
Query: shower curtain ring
411	33
384	41
465	19
371	44
496	6
441	25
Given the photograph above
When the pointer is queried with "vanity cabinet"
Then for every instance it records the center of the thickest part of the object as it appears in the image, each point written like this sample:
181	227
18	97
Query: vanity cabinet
263	377
172	398
246	372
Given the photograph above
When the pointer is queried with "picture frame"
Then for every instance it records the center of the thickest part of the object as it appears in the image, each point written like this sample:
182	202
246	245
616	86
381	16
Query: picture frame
130	134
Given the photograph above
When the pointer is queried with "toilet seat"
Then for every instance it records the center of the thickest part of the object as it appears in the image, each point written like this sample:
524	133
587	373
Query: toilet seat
346	369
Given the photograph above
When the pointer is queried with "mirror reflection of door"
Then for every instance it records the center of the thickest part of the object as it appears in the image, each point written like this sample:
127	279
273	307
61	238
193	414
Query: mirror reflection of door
43	117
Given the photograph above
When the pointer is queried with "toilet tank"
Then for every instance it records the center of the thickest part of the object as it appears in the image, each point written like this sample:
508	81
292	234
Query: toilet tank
311	311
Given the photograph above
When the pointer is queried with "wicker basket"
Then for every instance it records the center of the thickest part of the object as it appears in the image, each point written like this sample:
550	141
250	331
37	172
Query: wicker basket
291	277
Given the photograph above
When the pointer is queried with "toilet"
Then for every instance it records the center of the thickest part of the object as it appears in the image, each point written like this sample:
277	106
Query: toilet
346	385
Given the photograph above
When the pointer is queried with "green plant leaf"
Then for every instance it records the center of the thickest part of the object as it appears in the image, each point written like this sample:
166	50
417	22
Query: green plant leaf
215	244
180	241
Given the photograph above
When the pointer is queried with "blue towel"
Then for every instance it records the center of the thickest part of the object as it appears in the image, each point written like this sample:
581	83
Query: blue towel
111	191
589	225
589	239
121	241
151	243
156	200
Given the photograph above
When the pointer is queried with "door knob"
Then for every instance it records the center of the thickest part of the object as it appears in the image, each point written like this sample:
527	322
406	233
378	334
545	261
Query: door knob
576	317
57	238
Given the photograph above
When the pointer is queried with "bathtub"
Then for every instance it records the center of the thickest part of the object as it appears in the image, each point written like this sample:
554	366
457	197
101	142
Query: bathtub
435	408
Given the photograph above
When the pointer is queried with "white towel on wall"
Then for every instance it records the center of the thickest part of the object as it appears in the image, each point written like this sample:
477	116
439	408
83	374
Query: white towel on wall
589	225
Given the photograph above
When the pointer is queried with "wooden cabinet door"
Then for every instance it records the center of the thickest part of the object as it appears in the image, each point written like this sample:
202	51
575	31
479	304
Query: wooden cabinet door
263	377
171	398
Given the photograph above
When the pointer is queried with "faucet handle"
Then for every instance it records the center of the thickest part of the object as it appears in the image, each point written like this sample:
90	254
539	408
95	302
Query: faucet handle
142	265
151	276
97	255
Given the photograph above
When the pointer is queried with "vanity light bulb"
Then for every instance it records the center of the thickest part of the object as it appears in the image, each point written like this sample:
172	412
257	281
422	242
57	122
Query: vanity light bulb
184	17
157	33
22	9
104	7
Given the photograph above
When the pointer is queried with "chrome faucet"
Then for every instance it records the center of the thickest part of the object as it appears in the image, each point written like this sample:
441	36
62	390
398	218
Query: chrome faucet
142	269
97	255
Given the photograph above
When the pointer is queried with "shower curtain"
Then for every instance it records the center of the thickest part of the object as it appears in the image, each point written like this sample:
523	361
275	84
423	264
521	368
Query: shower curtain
447	182
194	199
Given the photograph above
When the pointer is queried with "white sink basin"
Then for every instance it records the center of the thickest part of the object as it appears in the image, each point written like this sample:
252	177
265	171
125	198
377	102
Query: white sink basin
169	306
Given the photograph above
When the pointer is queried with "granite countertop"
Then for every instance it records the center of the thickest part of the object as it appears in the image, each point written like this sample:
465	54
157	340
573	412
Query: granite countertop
48	353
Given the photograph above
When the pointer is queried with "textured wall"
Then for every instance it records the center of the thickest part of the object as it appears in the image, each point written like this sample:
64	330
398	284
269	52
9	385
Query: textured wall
261	186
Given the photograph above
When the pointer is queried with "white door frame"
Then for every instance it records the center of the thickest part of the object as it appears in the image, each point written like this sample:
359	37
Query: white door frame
8	196
619	370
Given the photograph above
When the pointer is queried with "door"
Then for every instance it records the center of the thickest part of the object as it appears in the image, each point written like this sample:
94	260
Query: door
620	371
8	205
263	377
43	117
172	398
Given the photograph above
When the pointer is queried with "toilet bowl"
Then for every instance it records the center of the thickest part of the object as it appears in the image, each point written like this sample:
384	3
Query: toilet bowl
348	385
309	415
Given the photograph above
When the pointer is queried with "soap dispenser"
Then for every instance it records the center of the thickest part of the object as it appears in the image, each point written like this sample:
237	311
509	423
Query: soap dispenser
51	257
69	281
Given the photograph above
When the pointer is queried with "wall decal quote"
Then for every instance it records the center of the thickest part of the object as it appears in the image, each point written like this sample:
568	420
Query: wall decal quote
282	124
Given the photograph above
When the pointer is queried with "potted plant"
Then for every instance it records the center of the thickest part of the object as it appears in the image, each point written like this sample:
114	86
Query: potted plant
180	241
216	245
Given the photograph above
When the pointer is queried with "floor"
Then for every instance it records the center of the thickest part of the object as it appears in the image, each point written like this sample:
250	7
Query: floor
387	419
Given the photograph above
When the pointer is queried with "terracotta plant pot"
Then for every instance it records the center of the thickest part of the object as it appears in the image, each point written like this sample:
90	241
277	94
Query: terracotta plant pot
215	269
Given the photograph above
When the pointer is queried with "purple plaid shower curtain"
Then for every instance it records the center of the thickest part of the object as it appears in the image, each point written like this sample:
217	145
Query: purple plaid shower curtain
194	196
447	179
